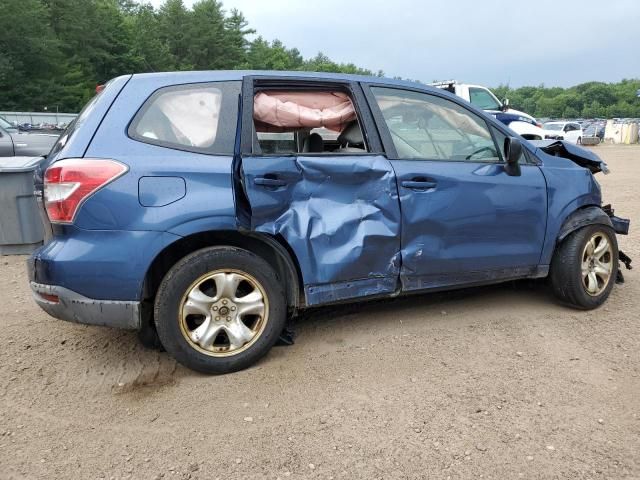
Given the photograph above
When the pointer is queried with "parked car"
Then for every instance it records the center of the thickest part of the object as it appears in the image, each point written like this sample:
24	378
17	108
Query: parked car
569	131
594	130
171	206
16	143
483	98
7	126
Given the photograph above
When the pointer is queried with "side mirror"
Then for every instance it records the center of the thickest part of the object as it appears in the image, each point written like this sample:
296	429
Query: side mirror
512	153
505	104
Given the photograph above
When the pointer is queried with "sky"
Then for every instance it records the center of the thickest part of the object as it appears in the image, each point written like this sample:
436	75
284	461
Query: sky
487	42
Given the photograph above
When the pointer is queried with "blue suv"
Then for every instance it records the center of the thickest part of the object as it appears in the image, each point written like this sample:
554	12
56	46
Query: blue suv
205	209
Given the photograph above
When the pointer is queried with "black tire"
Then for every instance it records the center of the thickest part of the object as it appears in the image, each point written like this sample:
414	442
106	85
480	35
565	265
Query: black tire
180	279
566	268
148	337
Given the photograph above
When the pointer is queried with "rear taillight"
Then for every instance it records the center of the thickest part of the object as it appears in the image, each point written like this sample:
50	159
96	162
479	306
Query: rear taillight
70	182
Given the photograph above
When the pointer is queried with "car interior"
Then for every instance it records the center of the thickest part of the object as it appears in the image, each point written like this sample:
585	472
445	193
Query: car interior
290	122
436	129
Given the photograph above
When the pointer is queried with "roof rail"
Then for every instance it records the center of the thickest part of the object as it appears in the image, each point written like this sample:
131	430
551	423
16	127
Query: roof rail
444	83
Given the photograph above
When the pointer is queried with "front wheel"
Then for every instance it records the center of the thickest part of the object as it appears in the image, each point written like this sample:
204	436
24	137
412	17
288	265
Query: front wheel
220	310
585	266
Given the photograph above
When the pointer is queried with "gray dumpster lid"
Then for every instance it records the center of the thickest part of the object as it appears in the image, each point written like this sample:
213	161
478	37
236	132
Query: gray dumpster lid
19	164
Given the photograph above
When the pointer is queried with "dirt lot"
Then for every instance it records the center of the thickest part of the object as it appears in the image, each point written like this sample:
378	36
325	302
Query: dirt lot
496	382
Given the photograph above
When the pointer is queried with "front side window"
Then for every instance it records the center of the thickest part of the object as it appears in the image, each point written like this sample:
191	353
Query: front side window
483	99
500	140
424	126
197	117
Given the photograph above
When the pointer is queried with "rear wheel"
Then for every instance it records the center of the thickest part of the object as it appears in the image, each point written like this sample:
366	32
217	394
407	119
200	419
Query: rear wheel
220	310
584	267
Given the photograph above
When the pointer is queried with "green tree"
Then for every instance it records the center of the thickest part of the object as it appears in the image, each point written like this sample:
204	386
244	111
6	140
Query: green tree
55	52
30	55
263	55
148	52
236	31
173	23
322	63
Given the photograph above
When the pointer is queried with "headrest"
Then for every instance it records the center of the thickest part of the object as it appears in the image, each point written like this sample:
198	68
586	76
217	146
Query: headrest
313	143
351	135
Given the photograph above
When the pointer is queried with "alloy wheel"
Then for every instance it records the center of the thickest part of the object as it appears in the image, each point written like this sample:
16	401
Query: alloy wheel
223	312
597	264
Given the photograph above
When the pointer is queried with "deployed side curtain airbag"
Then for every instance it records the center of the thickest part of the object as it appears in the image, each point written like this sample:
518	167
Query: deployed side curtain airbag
290	110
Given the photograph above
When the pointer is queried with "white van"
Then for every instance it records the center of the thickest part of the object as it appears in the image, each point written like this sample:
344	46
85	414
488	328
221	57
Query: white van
483	98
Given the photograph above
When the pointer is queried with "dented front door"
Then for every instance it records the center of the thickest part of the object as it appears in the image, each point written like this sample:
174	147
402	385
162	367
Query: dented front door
465	220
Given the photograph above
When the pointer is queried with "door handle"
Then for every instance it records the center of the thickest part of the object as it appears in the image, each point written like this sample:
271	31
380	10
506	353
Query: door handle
269	182
416	184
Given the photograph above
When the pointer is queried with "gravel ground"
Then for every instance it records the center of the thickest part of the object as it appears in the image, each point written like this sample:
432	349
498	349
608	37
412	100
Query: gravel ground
498	382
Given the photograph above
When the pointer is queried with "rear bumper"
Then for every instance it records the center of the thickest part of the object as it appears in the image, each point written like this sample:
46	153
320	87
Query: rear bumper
65	304
94	277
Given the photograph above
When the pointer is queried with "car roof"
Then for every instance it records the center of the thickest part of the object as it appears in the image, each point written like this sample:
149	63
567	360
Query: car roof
230	75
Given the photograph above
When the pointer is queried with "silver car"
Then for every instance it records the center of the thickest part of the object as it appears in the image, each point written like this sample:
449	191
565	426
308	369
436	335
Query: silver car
16	143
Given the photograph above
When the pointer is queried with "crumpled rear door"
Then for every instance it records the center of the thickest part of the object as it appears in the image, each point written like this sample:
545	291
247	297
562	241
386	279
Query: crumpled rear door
339	215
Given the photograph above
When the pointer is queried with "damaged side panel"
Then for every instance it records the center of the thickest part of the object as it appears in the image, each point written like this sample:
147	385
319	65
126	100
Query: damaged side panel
569	189
581	156
339	215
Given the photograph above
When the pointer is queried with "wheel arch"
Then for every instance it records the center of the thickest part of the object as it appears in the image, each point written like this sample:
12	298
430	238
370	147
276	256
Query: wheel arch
587	215
275	251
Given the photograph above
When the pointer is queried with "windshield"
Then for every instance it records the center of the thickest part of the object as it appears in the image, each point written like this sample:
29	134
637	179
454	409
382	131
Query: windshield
484	99
553	126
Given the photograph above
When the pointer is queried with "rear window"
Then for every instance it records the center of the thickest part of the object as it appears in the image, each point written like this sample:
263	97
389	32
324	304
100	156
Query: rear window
77	122
196	117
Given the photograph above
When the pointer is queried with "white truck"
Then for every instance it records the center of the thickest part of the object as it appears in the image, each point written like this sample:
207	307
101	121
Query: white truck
483	98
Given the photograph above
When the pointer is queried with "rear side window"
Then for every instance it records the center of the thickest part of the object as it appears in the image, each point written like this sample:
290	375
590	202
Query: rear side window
197	117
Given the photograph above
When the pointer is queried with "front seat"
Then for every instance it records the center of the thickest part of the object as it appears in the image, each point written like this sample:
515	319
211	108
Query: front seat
351	139
313	144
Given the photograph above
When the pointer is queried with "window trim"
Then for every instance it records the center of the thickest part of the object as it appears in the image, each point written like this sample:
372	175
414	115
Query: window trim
254	83
227	101
385	134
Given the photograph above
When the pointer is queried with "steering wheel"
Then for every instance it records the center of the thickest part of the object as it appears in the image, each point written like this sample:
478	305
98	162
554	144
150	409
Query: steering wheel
483	149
